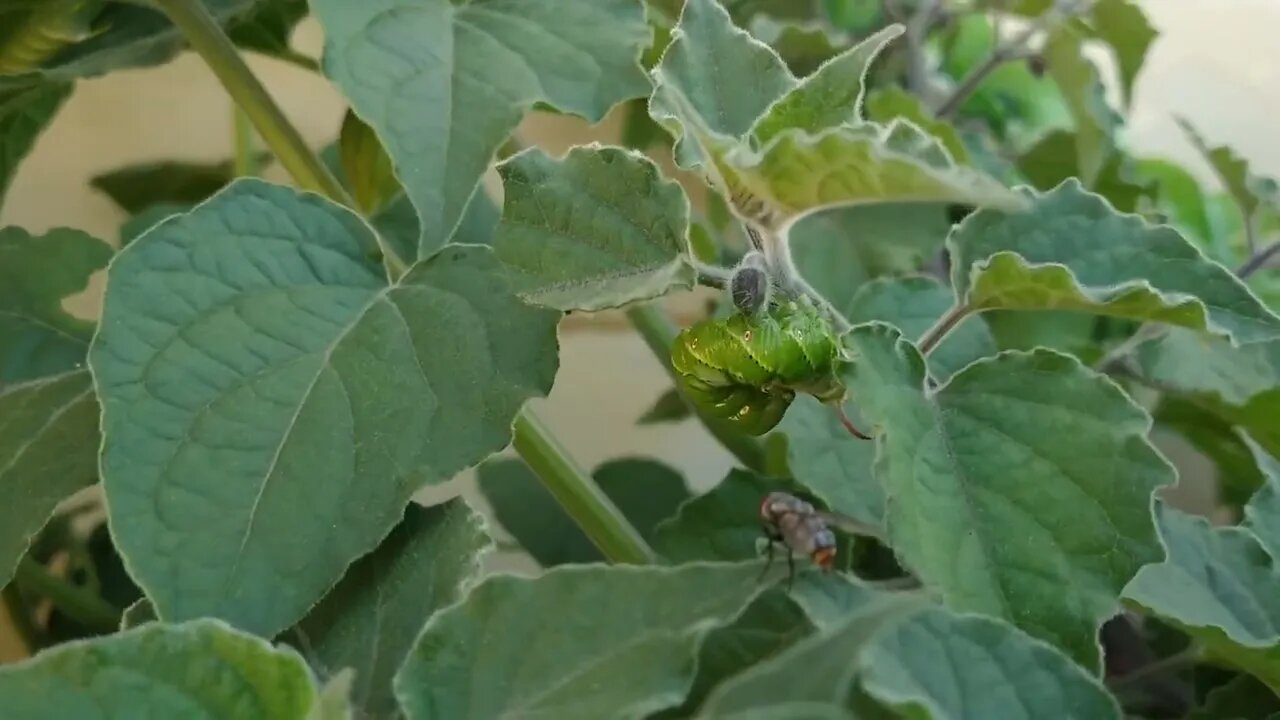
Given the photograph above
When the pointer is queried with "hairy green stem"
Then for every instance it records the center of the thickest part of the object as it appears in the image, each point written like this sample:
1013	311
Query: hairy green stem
945	324
76	602
245	160
581	498
1259	259
572	487
207	38
659	334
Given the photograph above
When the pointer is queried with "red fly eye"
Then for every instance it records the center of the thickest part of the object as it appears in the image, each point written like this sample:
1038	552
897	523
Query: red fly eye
824	558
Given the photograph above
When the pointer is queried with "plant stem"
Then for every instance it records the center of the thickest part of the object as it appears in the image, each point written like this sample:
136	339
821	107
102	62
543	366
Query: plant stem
916	31
245	159
945	324
208	39
574	489
78	604
1171	662
1143	334
659	334
1004	52
599	519
1258	260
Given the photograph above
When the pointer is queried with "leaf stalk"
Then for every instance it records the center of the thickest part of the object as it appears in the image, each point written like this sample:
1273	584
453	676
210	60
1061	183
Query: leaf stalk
76	602
945	324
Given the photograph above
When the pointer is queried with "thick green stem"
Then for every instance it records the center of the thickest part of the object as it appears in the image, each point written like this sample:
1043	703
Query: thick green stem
208	39
659	333
245	159
573	488
76	602
581	498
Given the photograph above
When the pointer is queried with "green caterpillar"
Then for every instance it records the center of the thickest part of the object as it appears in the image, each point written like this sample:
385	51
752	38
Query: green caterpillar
747	368
47	28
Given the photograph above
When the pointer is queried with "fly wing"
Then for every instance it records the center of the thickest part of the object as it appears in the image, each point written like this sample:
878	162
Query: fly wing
846	524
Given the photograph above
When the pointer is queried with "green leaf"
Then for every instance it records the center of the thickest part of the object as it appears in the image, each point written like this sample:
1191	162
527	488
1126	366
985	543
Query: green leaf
133	228
913	304
1124	27
1181	200
1073	251
596	230
1220	586
669	407
48	450
721	524
769	625
136	188
1262	512
370	619
1056	158
887	103
1193	362
201	669
25	110
268	27
1233	171
714	82
1050	465
126	35
839	250
834	466
644	490
1242	698
466	73
935	664
804	45
591	641
818	671
1217	439
256	387
798	173
830	97
37	273
366	166
1082	89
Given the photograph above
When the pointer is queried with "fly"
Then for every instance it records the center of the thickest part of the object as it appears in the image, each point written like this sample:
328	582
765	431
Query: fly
801	528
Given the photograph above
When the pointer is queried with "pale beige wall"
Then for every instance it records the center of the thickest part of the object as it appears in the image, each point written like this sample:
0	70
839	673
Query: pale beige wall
1216	63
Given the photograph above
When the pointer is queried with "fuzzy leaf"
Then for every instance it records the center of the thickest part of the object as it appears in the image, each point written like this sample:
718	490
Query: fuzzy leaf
366	166
644	490
834	466
121	35
840	250
886	104
720	524
1050	464
37	273
935	664
1233	171
1124	27
25	110
1082	89
444	83
669	407
48	450
913	304
1193	362
370	619
798	173
1071	250
1262	512
201	669
596	230
713	83
593	641
830	97
1219	585
271	403
138	187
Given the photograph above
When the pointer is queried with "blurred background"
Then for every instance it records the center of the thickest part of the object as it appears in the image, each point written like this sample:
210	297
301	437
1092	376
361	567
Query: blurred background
1212	63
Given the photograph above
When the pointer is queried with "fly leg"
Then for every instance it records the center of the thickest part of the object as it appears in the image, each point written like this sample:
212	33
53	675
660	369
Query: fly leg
773	537
791	569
